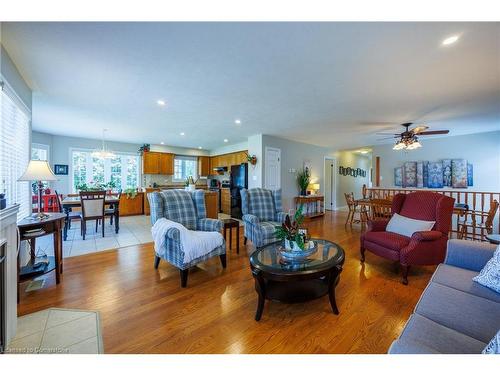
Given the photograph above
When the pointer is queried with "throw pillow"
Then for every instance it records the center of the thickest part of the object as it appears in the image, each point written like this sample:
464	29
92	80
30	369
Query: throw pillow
490	274
494	345
406	226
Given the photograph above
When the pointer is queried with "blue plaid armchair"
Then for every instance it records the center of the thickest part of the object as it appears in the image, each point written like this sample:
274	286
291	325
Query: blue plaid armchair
262	211
188	209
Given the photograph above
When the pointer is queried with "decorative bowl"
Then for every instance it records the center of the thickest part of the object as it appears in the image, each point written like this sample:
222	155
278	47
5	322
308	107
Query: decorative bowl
298	255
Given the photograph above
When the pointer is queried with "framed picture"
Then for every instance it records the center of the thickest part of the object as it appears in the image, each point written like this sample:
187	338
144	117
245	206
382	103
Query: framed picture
61	169
459	173
398	176
420	174
447	172
435	175
410	174
470	178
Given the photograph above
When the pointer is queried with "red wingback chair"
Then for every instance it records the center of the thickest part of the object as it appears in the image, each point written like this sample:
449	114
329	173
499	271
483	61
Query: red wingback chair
423	248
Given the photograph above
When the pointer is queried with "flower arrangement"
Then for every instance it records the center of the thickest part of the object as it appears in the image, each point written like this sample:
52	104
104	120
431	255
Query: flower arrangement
290	232
252	159
131	193
303	180
144	148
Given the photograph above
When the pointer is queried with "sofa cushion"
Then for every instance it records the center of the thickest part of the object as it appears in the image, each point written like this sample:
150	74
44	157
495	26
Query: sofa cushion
471	315
389	240
442	339
461	279
261	204
490	274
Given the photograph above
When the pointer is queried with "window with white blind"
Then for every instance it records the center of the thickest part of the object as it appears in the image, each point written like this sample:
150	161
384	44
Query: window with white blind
122	170
185	166
14	151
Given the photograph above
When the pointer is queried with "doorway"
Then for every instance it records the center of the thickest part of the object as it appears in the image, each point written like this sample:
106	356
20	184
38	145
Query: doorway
330	201
272	168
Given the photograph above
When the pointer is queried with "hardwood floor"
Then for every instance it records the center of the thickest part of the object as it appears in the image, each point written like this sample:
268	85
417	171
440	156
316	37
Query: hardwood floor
145	311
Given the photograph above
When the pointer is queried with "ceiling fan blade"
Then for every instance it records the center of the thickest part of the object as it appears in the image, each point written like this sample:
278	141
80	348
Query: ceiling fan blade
381	139
432	132
419	129
394	134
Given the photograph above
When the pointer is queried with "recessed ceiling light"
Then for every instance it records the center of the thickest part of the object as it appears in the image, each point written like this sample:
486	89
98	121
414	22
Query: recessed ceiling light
450	40
162	143
199	147
226	140
160	102
237	121
182	133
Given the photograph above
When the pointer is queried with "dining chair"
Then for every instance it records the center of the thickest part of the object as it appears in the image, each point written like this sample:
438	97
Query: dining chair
480	223
380	208
354	209
92	209
111	210
70	215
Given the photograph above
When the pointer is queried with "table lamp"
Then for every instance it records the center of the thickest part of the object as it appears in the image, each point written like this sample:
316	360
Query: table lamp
38	170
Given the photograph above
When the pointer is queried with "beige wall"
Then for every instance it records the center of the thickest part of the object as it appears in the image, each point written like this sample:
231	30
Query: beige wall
348	184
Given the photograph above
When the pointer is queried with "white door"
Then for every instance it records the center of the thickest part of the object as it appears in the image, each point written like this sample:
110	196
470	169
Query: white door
273	168
329	184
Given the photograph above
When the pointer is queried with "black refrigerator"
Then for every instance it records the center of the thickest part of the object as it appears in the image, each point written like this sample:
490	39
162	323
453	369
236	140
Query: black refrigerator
239	180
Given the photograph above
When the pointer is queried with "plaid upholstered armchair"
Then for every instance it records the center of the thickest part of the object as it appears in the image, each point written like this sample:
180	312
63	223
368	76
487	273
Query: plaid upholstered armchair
188	209
262	211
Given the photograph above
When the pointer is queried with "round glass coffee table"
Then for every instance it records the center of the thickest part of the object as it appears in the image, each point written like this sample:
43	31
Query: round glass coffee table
290	281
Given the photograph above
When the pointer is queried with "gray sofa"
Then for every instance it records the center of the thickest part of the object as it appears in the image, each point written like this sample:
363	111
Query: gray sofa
454	314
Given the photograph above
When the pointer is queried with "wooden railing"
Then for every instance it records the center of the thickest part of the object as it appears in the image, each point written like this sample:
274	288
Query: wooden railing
475	200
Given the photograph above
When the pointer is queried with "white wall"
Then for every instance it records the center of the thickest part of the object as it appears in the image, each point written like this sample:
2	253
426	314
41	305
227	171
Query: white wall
229	148
348	184
481	149
255	178
60	147
13	77
293	155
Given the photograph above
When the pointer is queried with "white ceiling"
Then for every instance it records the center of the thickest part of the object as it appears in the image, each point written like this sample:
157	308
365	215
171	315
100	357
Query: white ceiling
330	84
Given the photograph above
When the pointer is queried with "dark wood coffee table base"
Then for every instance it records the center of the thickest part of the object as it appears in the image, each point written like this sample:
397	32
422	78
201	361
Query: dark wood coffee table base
296	289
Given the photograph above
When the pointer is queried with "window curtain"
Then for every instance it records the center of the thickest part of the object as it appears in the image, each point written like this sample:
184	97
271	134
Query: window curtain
14	149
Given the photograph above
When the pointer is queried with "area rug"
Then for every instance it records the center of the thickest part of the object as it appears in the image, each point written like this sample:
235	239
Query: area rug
58	331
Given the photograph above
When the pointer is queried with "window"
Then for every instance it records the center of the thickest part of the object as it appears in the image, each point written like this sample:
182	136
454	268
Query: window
39	152
14	150
185	166
122	170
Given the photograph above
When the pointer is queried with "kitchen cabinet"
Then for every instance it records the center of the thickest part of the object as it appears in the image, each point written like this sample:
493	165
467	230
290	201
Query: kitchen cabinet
212	204
158	163
204	166
132	206
227	160
226	201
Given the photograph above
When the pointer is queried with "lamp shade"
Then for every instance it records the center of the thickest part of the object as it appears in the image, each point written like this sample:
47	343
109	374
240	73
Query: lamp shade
315	186
38	170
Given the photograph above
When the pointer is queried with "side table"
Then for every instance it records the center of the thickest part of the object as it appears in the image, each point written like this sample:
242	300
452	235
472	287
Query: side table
230	224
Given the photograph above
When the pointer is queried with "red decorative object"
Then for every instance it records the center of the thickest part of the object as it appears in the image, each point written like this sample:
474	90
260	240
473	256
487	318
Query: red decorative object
47	191
423	248
252	159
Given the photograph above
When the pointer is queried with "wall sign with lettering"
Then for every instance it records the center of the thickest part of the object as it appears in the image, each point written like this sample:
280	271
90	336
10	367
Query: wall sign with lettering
354	172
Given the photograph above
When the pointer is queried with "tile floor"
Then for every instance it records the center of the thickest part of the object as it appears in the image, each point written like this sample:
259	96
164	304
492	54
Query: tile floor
134	230
58	331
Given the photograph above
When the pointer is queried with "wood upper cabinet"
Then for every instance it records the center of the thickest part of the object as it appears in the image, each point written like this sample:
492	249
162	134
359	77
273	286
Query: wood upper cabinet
204	166
227	160
157	163
166	163
150	163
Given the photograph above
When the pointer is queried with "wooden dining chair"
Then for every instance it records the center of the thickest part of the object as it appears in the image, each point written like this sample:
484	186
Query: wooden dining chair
111	210
70	216
92	209
354	209
480	223
380	208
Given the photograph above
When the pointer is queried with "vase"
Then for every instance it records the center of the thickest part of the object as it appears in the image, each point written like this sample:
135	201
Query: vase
292	245
303	192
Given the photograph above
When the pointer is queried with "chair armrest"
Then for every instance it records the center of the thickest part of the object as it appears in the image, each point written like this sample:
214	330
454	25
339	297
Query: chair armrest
280	217
252	219
377	225
173	234
209	225
430	235
468	254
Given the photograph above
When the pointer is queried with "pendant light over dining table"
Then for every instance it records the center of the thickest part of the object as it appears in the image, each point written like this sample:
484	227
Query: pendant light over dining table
103	153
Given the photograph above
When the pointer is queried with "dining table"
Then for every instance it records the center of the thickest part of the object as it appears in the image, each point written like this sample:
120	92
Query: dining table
70	202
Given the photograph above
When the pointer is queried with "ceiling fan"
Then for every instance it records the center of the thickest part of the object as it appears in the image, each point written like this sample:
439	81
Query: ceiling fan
408	139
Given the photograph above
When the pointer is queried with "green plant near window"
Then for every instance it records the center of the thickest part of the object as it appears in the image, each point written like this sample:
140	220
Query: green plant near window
289	230
303	180
131	193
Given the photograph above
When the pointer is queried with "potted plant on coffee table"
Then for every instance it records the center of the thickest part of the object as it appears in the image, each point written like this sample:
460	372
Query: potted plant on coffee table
289	231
